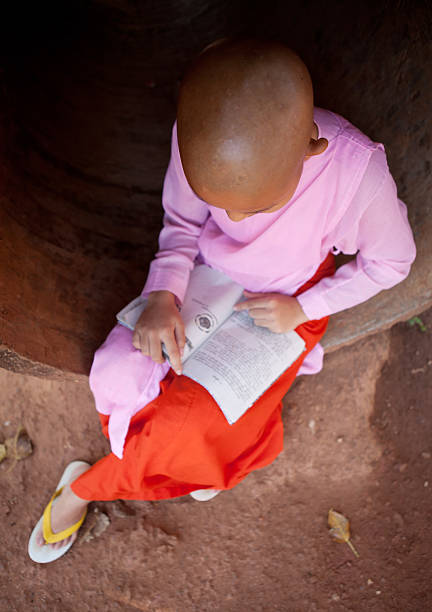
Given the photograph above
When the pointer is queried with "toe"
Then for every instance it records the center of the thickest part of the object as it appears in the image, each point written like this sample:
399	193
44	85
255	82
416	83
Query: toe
40	540
63	543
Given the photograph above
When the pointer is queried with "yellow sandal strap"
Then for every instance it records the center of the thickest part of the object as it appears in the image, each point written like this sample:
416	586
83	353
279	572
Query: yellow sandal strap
49	536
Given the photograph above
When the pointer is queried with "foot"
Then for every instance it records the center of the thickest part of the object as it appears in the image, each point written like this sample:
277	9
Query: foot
66	511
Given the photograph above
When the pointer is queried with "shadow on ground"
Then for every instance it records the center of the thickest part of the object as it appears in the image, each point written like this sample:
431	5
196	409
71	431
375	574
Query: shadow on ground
357	438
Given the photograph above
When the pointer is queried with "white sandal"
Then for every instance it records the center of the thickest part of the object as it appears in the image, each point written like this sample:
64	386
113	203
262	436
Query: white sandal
46	554
204	494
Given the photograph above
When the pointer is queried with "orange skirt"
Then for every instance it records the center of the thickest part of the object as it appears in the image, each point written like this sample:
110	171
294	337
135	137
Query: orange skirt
181	441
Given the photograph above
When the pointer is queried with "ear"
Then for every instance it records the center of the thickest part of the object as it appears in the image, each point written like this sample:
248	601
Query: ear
316	147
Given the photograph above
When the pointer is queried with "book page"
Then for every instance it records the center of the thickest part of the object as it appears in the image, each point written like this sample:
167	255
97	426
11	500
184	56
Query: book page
209	300
130	314
240	361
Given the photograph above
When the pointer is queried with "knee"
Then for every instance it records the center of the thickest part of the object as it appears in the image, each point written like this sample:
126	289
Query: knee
112	361
121	374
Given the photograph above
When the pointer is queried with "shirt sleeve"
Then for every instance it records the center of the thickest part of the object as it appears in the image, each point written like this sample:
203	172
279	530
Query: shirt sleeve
184	216
381	236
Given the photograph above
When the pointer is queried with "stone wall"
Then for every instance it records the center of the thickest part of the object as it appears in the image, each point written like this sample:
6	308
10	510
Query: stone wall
87	101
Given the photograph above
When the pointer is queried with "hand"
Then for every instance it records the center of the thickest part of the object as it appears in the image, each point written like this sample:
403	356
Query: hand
159	323
277	312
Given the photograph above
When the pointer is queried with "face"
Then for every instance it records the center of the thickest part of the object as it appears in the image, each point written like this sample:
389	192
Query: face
273	196
271	199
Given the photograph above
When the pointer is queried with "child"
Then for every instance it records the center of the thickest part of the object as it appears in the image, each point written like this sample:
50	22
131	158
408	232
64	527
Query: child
265	188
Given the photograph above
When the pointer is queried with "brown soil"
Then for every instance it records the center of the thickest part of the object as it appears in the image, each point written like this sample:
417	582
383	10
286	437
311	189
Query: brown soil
358	439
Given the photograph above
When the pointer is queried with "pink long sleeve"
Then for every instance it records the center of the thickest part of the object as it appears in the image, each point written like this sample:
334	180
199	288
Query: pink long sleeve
375	226
383	238
184	216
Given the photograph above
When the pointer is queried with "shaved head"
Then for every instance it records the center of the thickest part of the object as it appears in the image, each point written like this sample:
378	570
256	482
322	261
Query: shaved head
245	122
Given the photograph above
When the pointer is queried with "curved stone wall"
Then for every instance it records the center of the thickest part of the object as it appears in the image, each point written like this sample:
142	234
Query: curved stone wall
87	102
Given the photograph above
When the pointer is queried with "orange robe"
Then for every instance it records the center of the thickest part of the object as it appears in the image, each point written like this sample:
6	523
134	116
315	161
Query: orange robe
181	441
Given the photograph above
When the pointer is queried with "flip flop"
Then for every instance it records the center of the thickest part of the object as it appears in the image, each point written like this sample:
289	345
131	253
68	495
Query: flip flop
204	494
46	554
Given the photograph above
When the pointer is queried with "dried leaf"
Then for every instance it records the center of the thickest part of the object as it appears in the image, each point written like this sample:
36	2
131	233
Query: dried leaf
340	529
3	452
121	510
96	524
24	446
20	446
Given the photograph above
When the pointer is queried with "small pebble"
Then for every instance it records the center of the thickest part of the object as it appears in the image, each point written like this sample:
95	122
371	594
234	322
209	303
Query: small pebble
122	510
378	592
312	425
339	440
7	423
98	522
426	455
418	370
335	597
426	483
369	581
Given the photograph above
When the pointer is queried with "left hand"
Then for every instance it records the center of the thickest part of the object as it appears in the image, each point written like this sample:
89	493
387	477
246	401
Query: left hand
277	312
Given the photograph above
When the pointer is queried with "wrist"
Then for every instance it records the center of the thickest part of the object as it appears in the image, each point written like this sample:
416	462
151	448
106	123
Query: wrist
162	296
301	317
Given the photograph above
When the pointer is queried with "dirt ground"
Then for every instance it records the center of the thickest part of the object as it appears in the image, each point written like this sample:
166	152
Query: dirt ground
358	438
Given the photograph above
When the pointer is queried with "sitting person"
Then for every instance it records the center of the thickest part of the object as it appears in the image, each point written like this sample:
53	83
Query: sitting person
266	188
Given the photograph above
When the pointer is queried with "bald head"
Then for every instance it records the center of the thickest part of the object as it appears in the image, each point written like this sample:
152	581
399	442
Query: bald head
245	120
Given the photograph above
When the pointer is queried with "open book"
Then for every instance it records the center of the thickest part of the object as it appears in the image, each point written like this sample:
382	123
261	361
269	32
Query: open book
225	352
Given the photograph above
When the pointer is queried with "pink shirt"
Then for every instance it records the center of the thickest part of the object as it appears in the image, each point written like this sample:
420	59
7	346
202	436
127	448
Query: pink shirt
346	201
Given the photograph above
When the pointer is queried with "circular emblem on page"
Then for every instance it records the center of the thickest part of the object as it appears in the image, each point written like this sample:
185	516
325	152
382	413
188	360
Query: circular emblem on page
205	322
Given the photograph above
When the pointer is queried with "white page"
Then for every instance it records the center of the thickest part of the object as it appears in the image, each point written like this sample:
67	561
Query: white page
209	300
240	361
130	314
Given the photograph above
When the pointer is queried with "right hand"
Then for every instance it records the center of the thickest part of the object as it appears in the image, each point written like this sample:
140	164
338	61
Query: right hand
159	323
